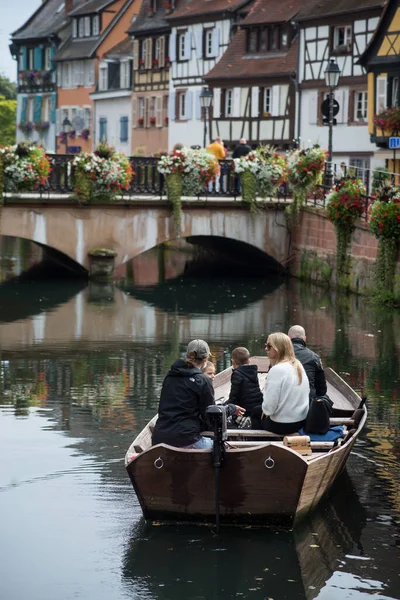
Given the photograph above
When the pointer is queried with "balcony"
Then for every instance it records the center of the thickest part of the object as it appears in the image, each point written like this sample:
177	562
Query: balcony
35	81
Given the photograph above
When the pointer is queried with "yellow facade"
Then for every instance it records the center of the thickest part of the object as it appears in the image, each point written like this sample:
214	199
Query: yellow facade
391	44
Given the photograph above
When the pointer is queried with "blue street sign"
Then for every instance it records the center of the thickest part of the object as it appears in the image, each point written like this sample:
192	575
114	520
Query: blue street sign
394	143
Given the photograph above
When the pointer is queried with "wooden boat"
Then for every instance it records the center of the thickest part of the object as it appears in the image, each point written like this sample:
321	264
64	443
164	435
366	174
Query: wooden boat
262	481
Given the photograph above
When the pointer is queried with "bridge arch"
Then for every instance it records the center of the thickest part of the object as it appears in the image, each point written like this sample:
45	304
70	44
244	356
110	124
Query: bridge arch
130	231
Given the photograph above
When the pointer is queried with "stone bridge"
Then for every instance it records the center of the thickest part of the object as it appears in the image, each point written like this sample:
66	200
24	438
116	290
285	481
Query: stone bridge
131	230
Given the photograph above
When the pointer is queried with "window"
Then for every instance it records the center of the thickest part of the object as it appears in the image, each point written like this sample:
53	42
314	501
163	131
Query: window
182	46
208	43
284	38
141	108
123	129
21	59
263	39
103	78
252	41
124	75
47	58
46	108
165	110
157	43
75	28
361	167
67	75
360	106
31	59
64	114
182	108
89	73
87	118
87	26
267	101
103	129
81	27
29	110
342	38
143	52
228	103
96	25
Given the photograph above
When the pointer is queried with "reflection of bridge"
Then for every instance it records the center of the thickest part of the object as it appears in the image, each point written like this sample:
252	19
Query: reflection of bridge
130	231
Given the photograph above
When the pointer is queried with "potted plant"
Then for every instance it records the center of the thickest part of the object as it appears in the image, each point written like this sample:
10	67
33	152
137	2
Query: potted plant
140	121
305	168
166	121
345	204
85	134
201	167
23	167
388	120
153	121
155	63
26	127
172	166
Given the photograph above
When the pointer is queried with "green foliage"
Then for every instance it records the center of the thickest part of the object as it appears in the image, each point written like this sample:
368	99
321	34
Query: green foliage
380	177
249	190
385	218
8	113
8	88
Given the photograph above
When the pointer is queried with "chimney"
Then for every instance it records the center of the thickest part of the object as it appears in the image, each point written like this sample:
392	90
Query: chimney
69	5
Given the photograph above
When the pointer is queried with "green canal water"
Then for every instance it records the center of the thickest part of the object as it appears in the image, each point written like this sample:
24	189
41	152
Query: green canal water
81	371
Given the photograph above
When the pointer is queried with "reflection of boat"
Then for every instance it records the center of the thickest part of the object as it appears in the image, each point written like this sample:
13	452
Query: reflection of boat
262	481
174	562
219	296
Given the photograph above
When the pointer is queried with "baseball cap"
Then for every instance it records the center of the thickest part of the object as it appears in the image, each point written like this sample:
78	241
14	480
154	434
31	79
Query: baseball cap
200	348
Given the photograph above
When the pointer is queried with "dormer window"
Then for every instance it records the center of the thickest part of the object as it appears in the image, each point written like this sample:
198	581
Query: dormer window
261	40
81	27
342	38
75	28
253	39
87	26
96	25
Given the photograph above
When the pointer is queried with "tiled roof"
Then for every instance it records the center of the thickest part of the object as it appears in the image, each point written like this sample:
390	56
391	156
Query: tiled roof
76	49
124	48
272	11
236	64
93	6
192	8
144	23
47	19
317	9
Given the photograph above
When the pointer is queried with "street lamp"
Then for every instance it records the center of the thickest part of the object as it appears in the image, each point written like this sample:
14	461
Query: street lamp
206	99
332	76
66	127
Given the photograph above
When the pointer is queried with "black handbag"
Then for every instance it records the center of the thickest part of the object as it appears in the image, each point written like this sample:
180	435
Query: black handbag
317	420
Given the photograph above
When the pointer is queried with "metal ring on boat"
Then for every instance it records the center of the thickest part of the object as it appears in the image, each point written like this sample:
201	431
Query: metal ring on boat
269	463
159	463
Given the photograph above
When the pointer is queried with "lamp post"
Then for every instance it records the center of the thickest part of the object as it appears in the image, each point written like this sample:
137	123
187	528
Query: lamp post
66	127
332	76
206	98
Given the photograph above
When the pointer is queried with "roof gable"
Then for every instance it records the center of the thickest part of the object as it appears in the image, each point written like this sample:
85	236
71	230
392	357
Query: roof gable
384	46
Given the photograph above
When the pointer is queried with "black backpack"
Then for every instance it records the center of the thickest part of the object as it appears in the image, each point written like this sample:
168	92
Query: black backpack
317	420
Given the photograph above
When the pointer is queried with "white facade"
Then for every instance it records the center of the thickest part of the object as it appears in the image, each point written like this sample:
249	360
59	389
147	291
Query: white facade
345	44
193	52
112	119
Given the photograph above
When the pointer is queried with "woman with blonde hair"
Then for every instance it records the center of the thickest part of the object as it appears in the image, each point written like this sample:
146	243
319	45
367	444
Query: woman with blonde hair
286	393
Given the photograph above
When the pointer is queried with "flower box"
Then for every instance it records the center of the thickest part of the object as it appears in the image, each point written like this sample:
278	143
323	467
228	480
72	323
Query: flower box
140	121
153	120
25	168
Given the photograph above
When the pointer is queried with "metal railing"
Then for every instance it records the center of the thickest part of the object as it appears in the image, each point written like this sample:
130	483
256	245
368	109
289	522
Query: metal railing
147	181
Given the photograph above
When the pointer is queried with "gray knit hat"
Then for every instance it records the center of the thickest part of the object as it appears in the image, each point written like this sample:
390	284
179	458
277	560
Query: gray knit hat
200	348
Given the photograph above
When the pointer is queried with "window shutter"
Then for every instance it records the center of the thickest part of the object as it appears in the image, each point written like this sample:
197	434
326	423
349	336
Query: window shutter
275	100
199	43
24	58
123	129
217	103
188	45
197	106
215	42
189	105
161	56
146	112
171	107
58	121
134	112
37	109
255	102
38	57
135	55
381	93
149	53
53	107
342	96
313	108
236	102
172	46
159	111
23	109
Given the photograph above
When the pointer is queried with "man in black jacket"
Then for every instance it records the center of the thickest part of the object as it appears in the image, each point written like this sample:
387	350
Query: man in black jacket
245	388
242	149
310	360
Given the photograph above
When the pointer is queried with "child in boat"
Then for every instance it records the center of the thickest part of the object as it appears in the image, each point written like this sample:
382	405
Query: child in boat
245	389
209	370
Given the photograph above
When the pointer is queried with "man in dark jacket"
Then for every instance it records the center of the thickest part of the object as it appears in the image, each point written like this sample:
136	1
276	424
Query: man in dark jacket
186	393
310	360
242	149
245	388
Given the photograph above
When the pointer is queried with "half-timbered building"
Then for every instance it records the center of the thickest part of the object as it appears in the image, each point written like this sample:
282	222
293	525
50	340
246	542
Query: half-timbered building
341	31
382	61
254	82
150	33
200	34
34	46
95	28
112	110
